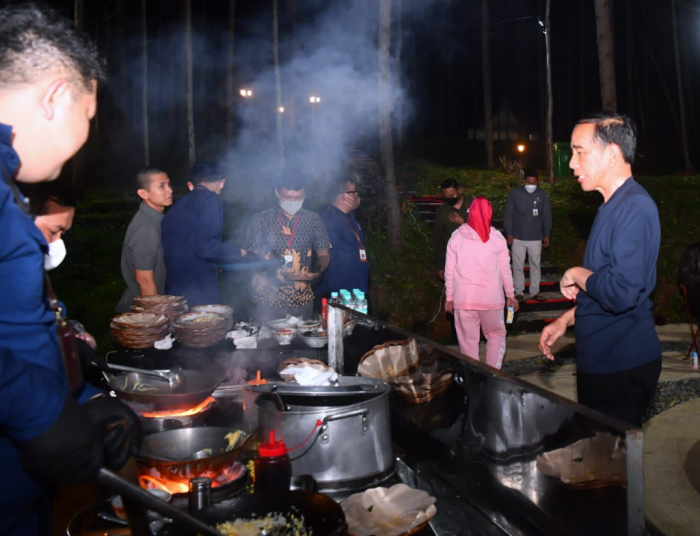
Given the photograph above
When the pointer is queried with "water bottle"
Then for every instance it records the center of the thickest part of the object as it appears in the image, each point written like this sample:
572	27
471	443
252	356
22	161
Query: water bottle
334	297
362	304
694	359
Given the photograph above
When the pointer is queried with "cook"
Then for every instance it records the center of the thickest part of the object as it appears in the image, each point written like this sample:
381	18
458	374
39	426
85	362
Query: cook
292	234
48	81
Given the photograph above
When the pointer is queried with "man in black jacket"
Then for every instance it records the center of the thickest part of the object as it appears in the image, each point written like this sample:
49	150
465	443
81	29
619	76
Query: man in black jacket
689	276
449	216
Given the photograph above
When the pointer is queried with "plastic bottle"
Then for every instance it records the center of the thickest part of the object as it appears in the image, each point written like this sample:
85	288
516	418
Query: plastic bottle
362	303
694	359
273	469
334	298
324	313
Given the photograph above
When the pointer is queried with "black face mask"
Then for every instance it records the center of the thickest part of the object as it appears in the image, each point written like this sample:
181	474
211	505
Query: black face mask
452	201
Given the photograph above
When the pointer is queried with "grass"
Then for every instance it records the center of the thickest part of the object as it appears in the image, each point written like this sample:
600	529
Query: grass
405	289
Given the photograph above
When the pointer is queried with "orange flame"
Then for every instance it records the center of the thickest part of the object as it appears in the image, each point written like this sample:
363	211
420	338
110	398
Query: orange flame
182	485
186	413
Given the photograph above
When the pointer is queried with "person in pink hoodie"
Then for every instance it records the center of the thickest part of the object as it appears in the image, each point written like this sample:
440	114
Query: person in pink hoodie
477	274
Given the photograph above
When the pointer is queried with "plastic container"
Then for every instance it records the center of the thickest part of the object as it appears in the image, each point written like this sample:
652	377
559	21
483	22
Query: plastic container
273	469
324	313
509	318
694	359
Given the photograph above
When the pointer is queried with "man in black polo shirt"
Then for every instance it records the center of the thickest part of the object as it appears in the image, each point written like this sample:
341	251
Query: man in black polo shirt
290	233
451	214
143	267
617	350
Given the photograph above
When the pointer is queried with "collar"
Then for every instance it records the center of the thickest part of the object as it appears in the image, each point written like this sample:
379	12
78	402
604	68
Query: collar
8	156
619	193
153	214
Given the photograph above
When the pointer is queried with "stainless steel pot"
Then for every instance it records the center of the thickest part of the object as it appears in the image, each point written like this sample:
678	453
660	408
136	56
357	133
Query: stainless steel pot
353	443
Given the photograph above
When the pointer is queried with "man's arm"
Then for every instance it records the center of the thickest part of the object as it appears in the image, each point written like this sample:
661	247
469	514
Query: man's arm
324	260
553	332
147	283
209	229
322	244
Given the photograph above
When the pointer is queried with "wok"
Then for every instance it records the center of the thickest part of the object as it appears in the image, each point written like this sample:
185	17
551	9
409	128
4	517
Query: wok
171	453
322	515
194	389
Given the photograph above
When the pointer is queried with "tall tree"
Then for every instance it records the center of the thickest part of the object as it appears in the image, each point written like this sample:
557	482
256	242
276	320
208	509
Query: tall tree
681	99
582	58
550	100
606	54
630	57
144	74
77	164
190	100
278	81
292	93
399	49
386	146
486	67
230	94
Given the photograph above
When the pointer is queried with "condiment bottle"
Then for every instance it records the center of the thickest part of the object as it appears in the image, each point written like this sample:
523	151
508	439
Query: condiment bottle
324	313
273	469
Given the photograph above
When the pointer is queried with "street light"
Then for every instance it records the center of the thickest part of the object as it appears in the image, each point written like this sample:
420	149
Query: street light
281	109
521	148
314	100
245	93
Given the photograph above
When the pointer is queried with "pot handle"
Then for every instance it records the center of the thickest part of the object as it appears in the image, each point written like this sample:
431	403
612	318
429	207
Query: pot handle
325	437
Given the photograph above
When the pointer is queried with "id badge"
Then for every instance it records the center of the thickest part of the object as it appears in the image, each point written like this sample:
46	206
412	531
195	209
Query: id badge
535	212
363	254
288	260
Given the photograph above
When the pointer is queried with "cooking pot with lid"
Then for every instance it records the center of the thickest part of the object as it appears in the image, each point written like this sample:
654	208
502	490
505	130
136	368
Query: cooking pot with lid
340	435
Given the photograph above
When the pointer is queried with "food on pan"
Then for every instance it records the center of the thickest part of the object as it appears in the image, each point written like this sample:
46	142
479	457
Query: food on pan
233	439
279	524
138	386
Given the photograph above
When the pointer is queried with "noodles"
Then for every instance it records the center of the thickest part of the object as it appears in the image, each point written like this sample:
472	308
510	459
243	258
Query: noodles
279	524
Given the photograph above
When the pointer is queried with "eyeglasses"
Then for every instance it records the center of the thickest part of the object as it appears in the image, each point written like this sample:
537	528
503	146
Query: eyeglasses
353	192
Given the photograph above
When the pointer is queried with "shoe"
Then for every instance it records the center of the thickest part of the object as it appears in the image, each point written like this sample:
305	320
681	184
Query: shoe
519	297
539	297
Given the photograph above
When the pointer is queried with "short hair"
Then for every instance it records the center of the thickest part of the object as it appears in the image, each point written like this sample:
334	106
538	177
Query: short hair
611	127
290	180
205	172
55	191
531	172
35	40
145	177
450	183
339	186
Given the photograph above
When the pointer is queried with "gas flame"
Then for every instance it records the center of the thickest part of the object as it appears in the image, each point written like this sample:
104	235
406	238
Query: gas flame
155	480
186	413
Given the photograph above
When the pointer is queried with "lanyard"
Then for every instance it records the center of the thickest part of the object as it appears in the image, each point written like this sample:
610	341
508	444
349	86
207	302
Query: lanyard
346	221
289	242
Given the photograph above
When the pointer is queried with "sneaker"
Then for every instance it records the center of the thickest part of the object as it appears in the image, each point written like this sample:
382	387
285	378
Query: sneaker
539	297
519	297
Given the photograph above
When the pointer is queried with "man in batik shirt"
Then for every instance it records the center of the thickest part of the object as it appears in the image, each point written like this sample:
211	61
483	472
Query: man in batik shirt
291	234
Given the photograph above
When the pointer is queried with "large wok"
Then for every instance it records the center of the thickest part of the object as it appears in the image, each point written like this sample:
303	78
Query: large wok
159	397
171	453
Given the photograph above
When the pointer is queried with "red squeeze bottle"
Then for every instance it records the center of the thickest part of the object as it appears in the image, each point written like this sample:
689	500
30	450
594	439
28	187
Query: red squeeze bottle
324	313
273	469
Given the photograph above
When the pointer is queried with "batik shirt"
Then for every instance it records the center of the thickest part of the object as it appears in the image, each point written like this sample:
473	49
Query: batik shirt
271	234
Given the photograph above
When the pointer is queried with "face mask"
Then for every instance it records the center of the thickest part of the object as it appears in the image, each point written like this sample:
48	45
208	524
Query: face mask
290	207
530	188
452	201
57	252
354	201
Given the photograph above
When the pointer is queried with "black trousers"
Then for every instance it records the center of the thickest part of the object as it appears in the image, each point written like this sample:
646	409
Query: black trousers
624	395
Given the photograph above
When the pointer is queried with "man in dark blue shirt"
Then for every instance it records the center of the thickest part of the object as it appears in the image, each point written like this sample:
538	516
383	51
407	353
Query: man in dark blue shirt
618	351
48	83
192	239
349	267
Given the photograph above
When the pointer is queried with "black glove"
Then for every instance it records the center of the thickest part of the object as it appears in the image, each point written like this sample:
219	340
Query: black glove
91	362
69	452
105	413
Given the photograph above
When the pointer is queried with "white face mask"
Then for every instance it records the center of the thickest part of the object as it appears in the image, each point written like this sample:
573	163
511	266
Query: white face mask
290	207
530	188
57	252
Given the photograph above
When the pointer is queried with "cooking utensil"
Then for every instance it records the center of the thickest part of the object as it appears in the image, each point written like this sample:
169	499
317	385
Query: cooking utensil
118	484
172	376
277	399
172	453
322	515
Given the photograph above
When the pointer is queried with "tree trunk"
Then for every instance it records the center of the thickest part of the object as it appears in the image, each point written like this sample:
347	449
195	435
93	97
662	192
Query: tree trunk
486	69
399	48
391	195
278	81
77	167
550	104
292	5
79	13
606	54
630	57
190	101
681	99
230	93
688	30
144	73
582	58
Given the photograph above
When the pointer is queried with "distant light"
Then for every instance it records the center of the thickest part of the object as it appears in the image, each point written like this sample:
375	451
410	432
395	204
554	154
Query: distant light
521	148
250	93
541	23
314	100
281	109
246	93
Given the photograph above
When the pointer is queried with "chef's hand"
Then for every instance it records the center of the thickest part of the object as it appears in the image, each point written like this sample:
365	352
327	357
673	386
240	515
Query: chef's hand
251	256
441	274
510	240
450	307
568	286
551	334
512	302
118	443
545	242
456	218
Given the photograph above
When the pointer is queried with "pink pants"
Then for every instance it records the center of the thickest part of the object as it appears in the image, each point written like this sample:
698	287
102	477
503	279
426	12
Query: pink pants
467	324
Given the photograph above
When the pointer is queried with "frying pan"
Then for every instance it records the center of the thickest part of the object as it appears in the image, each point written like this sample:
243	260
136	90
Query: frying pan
170	453
194	389
322	515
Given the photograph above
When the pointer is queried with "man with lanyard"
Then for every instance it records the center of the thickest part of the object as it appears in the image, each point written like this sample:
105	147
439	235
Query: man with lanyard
451	214
192	238
48	81
617	350
349	268
292	234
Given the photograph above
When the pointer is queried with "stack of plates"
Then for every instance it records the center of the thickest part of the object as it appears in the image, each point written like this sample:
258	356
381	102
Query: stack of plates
139	330
199	329
425	383
169	306
223	310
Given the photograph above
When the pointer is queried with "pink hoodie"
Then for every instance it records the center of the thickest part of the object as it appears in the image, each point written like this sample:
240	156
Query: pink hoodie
477	273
